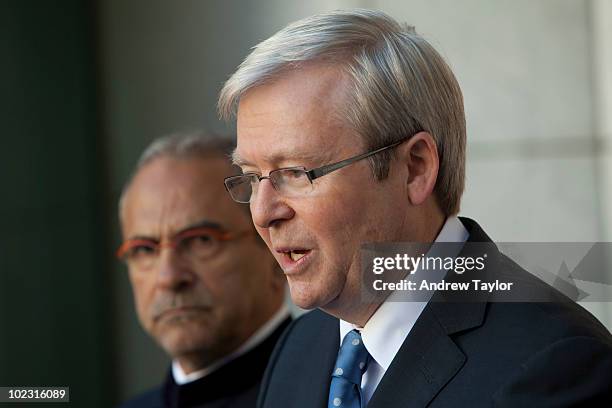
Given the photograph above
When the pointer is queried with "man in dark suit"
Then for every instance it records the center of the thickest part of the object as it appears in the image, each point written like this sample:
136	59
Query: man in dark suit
205	287
313	102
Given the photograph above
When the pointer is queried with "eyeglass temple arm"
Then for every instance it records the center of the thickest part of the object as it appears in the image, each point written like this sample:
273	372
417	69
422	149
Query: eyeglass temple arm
321	171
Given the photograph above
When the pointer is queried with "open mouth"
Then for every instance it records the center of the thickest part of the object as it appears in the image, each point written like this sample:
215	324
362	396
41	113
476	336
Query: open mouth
294	255
293	259
297	254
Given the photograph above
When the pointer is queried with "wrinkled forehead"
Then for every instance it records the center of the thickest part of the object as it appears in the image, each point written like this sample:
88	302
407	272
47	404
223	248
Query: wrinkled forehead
298	117
191	175
169	194
299	152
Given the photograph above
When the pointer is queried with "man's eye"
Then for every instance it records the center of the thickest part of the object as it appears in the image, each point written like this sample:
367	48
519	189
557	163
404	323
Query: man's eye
198	242
203	239
295	173
140	251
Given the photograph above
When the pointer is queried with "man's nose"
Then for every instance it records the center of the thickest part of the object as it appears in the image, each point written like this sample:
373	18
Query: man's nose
173	271
268	207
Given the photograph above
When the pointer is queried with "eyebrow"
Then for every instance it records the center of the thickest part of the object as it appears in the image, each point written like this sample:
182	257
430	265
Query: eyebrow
237	160
141	238
200	224
279	157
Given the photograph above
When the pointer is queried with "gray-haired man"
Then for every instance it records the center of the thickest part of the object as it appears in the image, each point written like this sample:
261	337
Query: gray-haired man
205	287
314	101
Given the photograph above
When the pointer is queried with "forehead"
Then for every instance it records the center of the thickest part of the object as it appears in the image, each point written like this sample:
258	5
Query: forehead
299	115
169	194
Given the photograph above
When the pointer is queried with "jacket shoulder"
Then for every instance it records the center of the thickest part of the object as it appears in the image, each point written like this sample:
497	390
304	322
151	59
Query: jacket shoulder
302	348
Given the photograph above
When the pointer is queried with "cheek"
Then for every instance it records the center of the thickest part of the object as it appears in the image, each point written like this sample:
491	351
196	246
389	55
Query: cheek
264	233
342	226
142	290
338	221
227	280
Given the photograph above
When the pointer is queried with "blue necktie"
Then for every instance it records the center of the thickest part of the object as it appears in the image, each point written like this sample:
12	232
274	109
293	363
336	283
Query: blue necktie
352	362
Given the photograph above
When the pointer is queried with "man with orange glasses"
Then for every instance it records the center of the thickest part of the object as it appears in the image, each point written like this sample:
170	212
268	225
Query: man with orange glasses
205	286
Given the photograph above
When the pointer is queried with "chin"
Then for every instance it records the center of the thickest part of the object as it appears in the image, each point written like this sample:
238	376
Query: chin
301	298
307	297
176	344
184	335
302	303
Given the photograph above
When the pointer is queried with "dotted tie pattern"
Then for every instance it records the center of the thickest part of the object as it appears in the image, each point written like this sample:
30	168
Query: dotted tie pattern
352	362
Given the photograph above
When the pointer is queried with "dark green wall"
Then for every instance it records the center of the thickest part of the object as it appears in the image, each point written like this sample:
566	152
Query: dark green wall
53	252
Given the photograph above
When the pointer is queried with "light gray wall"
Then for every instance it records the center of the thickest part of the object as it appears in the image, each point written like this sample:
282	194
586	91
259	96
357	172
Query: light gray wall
601	34
535	76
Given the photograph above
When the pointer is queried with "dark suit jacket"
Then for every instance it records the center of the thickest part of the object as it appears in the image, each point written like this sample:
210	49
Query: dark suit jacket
234	385
466	354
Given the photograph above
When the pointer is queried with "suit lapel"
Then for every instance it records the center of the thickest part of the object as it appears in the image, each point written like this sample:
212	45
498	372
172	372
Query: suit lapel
320	356
321	376
429	358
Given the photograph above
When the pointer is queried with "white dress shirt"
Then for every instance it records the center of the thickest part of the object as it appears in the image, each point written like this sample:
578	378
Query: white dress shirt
257	338
385	332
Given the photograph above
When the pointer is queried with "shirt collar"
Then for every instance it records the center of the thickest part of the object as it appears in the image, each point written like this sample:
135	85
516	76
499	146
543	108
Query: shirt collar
385	332
258	337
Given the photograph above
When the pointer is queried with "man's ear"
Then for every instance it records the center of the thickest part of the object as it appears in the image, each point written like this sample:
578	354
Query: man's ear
420	156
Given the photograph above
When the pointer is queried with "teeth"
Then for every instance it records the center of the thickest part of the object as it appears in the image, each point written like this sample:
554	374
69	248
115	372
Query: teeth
295	256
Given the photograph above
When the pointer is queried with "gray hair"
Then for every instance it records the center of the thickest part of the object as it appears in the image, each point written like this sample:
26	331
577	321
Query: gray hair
183	146
400	85
187	145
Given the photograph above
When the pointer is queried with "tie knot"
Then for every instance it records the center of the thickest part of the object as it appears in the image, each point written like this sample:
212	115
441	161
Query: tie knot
352	359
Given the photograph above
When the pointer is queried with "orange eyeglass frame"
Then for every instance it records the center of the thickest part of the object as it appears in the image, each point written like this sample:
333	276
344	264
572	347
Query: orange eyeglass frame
176	240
